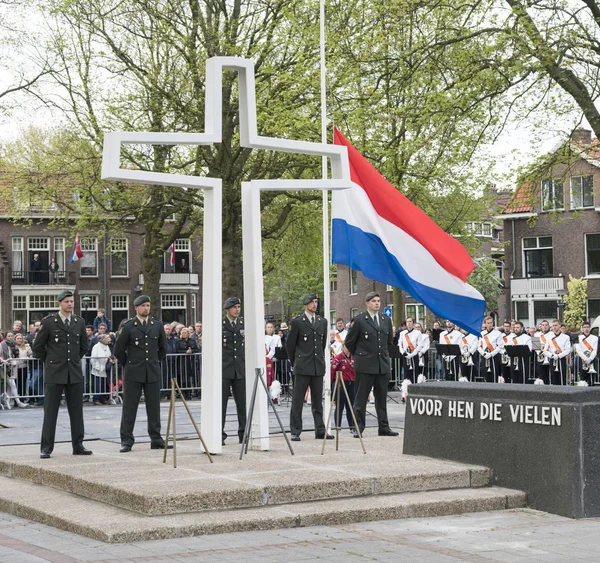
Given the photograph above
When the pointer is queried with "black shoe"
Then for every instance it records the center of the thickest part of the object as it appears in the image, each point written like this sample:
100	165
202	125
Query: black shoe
241	439
222	442
388	432
45	455
295	438
327	437
82	451
160	446
355	434
125	448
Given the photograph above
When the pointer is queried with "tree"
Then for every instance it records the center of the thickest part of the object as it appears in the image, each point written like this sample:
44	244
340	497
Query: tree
575	302
484	279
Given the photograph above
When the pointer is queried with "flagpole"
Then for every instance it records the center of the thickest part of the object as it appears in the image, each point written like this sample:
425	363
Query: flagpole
326	296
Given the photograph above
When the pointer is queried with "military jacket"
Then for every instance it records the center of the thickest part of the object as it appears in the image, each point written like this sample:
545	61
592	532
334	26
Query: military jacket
370	344
234	353
60	349
306	345
141	349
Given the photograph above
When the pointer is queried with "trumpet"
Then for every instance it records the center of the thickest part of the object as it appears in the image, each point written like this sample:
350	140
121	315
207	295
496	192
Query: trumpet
589	368
516	363
505	359
555	364
466	357
488	363
542	359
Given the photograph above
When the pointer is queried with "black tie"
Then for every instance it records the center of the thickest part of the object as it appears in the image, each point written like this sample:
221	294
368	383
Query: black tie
144	324
312	320
376	319
233	325
67	323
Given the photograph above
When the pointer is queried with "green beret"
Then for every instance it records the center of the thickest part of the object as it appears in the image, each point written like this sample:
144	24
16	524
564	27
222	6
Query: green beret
141	300
64	293
231	302
371	295
308	298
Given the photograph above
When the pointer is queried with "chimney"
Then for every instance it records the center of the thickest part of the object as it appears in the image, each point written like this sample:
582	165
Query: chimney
582	136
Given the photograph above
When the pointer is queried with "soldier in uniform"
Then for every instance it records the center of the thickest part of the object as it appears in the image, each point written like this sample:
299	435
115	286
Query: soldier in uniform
305	346
369	340
141	347
61	343
234	364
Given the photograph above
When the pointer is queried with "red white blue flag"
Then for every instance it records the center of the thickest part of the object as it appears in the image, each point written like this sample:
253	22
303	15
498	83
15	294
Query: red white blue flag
77	252
377	230
172	253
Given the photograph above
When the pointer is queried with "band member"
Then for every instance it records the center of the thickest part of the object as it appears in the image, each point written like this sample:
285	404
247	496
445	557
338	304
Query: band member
506	361
272	341
450	364
233	360
369	340
468	347
557	349
408	342
60	343
490	348
422	352
306	346
542	366
141	347
587	350
520	366
340	335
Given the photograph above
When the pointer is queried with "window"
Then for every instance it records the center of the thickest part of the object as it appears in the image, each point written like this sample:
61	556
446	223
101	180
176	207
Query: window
89	302
17	258
89	262
42	302
582	191
173	307
553	196
59	255
168	300
592	254
118	258
353	282
522	311
545	310
389	287
353	313
183	256
194	311
333	282
119	308
496	234
416	311
537	257
19	302
593	309
499	269
480	229
332	318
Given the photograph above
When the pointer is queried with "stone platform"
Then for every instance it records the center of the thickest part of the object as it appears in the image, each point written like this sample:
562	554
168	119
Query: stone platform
117	497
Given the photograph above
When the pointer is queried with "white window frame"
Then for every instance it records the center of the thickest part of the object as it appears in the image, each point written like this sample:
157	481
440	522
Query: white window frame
552	183
353	291
89	245
18	248
585	241
417	317
115	306
581	177
173	300
124	250
538	247
93	306
353	312
60	254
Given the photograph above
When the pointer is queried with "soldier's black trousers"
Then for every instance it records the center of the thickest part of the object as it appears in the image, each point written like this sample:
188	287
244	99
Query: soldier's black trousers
52	395
132	390
238	390
364	383
301	384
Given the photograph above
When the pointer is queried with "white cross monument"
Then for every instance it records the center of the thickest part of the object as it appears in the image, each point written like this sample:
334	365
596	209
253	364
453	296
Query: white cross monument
210	418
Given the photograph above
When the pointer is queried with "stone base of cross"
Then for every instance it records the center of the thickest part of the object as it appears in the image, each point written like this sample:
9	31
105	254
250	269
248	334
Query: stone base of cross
253	299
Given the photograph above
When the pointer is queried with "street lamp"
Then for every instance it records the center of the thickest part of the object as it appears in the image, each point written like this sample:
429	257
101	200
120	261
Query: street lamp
86	300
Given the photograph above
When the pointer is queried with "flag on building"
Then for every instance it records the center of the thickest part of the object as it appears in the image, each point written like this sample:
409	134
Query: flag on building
77	252
172	255
377	230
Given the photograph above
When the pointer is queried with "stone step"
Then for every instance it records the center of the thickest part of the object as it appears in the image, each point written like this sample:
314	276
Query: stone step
143	484
111	524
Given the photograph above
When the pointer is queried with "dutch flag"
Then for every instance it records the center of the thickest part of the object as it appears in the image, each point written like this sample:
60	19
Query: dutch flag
172	253
377	230
77	252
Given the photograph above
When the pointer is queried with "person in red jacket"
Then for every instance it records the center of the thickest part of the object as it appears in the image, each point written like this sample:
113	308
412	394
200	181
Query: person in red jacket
343	362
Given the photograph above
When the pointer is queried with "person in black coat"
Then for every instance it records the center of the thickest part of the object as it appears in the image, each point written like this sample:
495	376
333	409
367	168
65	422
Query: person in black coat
61	343
305	345
369	340
141	347
234	364
186	348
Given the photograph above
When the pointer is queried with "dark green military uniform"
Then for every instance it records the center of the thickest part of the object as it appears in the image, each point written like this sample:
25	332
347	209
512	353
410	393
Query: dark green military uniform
370	342
61	349
305	346
234	371
141	348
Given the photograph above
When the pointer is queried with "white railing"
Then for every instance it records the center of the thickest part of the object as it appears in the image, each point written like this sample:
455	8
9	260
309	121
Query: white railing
172	278
537	286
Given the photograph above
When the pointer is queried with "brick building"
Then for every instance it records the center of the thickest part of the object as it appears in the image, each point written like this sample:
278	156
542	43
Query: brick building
108	276
552	228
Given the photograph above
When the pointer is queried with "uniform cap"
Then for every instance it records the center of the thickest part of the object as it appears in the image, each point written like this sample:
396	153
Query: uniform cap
308	298
141	300
371	295
231	302
64	294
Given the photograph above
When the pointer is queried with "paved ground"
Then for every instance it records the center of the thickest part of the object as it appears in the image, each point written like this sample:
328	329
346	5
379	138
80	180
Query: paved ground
517	535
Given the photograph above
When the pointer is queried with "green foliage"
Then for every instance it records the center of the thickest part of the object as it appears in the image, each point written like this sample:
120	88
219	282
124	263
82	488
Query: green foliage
575	302
485	279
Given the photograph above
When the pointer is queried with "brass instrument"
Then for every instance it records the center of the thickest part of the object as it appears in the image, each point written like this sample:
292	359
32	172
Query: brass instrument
588	368
421	360
505	359
466	357
516	363
556	364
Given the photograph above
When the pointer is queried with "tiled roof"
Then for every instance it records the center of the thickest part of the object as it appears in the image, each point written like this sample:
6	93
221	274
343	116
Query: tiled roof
521	202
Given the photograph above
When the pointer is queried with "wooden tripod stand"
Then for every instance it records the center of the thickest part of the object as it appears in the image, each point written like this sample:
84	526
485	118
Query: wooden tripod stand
339	385
175	387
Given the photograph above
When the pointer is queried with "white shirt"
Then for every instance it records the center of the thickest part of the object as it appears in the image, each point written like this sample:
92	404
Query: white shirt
338	343
414	337
471	341
452	337
424	343
562	347
271	342
583	351
522	340
496	342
